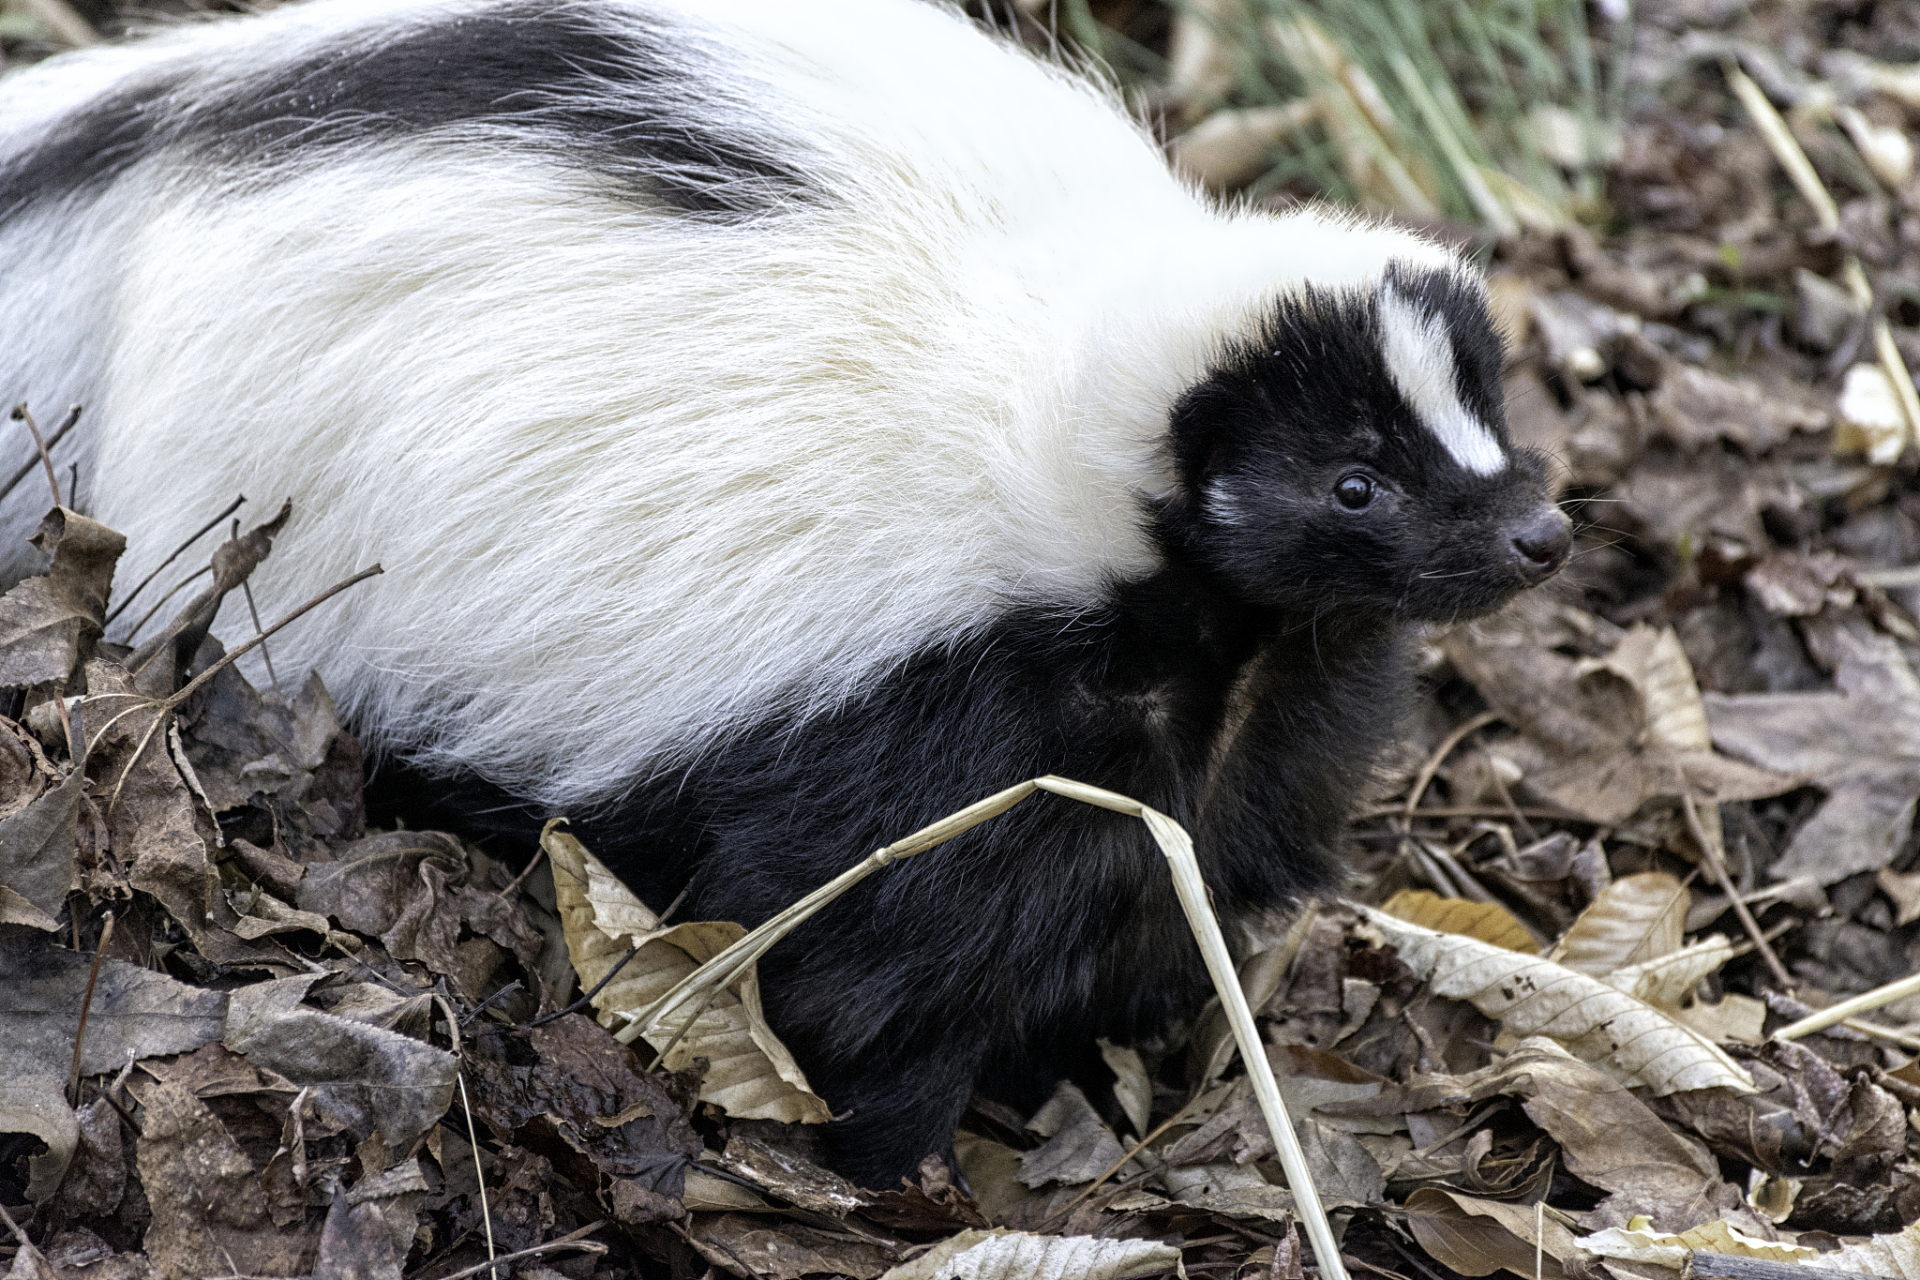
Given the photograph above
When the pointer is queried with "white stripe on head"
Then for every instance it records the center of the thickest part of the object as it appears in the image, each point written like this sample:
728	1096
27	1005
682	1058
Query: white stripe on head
1419	358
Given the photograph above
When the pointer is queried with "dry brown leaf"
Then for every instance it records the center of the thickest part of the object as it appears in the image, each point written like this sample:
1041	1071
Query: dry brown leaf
365	1079
1736	1019
1604	735
37	846
206	1196
1477	1237
1635	918
1861	743
998	1254
1079	1147
1132	1088
750	1074
775	1250
48	624
1610	1139
1634	1042
1488	921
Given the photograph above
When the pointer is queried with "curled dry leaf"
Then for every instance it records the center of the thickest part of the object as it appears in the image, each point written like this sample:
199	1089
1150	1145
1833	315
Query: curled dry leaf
48	624
1634	1042
749	1074
1017	1255
1635	918
1488	921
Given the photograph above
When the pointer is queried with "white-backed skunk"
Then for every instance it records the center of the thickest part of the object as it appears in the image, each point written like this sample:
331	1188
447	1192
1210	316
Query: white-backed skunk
783	424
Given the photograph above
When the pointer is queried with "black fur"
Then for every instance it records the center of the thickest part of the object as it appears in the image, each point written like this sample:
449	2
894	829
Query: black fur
1245	689
521	73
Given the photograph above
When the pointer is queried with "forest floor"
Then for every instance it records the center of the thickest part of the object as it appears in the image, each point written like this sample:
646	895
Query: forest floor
1646	825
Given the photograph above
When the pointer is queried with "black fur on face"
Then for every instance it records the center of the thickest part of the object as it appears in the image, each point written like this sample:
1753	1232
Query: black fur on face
1309	482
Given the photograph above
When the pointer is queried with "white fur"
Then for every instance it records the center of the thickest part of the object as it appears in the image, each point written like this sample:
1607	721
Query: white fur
1420	360
638	480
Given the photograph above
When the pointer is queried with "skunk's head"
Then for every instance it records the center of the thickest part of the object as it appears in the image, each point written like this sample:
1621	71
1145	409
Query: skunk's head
1354	452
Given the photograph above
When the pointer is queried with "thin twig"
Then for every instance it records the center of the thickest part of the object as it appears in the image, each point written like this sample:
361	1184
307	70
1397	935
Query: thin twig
161	603
86	1007
73	416
1716	861
193	686
246	589
672	907
21	414
1846	1009
587	999
490	1001
14	1227
178	551
1439	757
573	1242
513	885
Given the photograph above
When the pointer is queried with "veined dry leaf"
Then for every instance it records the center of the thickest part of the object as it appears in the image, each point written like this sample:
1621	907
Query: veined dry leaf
1488	921
1478	1237
750	1074
1666	982
998	1254
1638	1242
1634	1042
1634	919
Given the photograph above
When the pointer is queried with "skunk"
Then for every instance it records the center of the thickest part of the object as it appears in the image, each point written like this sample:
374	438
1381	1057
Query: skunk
784	423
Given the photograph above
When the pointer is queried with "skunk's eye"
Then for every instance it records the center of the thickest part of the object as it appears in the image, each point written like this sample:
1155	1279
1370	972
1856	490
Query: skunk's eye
1354	492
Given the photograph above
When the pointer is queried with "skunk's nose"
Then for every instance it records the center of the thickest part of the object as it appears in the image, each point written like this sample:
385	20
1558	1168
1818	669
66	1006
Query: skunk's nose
1540	543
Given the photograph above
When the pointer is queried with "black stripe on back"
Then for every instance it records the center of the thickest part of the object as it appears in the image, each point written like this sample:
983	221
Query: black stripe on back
532	75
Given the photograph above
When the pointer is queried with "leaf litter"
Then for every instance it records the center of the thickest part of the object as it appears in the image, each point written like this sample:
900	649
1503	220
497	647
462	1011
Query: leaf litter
1545	1045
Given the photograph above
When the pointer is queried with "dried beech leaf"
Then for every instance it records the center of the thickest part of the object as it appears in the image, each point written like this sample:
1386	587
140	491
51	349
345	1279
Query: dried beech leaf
1488	921
1638	1242
998	1254
1666	982
1634	1042
1612	1140
1635	918
749	1074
